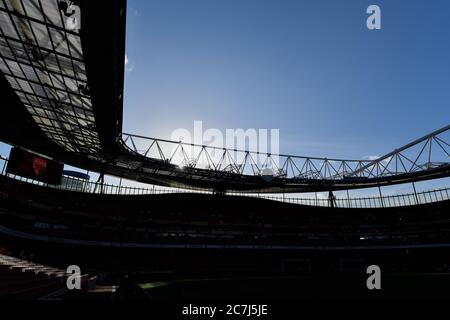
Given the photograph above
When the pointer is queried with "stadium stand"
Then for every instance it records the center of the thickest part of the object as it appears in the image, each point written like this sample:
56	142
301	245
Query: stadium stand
209	220
21	279
126	239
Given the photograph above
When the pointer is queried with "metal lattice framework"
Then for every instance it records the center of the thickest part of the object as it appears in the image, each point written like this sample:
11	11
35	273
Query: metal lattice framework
62	65
192	156
42	58
429	152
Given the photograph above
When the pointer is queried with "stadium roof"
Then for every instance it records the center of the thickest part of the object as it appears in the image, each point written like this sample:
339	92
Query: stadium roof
44	64
48	93
62	65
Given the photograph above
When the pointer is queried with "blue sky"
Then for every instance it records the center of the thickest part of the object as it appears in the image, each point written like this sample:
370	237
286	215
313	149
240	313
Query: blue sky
308	67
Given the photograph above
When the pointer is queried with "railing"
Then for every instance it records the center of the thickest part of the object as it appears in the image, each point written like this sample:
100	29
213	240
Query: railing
81	185
399	200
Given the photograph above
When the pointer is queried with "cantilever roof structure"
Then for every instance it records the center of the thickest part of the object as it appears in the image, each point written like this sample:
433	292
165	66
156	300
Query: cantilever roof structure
62	74
42	60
